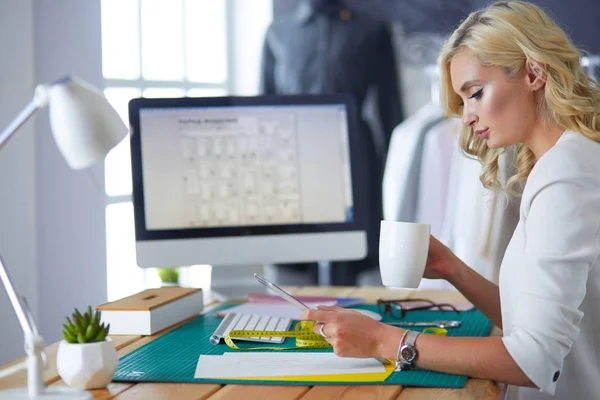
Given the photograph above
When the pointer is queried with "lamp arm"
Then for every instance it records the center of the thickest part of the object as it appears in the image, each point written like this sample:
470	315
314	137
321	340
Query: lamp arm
40	99
15	300
34	344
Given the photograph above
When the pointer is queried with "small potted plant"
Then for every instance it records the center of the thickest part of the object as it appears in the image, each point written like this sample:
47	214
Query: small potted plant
169	276
86	358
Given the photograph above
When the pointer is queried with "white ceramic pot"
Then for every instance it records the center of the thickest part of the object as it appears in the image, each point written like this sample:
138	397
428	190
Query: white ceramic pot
88	365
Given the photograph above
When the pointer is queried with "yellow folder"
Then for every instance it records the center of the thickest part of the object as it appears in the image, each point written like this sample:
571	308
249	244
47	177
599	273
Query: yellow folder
365	377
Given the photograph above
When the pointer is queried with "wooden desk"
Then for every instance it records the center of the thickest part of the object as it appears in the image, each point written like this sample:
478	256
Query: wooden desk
474	389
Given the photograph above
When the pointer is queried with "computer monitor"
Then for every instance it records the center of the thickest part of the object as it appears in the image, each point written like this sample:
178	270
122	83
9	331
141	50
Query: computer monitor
247	180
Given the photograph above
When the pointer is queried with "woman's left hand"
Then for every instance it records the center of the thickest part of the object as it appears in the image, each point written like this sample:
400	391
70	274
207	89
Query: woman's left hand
351	333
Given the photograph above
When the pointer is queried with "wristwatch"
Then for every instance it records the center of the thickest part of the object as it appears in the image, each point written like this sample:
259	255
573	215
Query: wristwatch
408	351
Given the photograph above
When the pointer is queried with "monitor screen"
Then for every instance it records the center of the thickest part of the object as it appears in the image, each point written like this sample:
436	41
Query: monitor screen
208	170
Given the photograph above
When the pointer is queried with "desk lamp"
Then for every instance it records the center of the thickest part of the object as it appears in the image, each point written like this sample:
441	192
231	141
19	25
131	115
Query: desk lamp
85	128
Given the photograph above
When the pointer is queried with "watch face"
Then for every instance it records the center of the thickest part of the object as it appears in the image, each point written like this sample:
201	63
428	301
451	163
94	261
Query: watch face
408	353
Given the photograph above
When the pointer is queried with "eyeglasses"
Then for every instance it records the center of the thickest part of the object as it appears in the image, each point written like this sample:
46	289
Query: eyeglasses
399	307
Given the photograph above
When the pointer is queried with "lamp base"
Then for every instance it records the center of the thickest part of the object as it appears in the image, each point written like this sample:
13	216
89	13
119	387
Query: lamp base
54	393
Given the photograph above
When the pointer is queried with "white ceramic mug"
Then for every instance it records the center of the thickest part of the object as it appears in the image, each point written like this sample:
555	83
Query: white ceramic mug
403	248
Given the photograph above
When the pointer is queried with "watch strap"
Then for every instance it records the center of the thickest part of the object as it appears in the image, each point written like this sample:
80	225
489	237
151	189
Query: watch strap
411	338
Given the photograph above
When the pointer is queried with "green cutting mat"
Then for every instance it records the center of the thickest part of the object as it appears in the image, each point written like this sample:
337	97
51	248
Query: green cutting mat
173	357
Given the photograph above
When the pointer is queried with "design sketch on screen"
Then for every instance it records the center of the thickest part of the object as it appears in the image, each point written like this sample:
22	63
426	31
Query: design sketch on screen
245	166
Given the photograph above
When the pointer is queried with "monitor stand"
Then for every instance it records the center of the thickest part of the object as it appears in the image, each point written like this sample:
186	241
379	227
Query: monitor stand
229	282
235	282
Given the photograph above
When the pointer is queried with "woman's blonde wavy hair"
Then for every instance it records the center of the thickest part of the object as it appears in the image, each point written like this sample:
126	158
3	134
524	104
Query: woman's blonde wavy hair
509	35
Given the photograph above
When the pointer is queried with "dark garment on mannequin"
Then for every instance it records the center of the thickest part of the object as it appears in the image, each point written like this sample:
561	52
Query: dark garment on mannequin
324	48
318	52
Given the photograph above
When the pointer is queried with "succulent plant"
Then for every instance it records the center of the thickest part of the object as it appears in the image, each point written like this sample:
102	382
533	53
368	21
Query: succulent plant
85	328
168	275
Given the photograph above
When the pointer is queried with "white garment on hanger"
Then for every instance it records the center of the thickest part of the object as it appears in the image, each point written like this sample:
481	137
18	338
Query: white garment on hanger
473	218
438	154
398	183
502	217
435	173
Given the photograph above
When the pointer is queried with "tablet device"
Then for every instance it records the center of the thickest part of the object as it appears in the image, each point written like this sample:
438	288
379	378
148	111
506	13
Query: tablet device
284	295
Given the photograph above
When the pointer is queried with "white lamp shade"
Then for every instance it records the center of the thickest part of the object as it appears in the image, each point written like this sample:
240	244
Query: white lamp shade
84	124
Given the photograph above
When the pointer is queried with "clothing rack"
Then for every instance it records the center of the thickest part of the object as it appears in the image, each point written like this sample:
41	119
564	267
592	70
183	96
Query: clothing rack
421	49
433	73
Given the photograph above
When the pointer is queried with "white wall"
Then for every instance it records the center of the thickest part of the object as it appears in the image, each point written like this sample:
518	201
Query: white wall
17	166
52	232
71	233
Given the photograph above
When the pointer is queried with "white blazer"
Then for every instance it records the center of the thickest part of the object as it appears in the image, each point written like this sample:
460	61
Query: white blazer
550	278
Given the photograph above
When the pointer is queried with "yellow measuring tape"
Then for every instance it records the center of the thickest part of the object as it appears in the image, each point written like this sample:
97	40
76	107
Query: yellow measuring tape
304	334
436	331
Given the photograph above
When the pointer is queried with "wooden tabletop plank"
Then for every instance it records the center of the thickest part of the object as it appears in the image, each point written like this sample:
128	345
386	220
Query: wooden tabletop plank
338	291
19	378
179	391
121	341
452	296
355	392
113	389
372	293
474	389
260	392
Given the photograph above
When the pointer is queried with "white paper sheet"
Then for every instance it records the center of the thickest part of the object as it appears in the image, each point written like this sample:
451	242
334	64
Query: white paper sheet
238	365
283	310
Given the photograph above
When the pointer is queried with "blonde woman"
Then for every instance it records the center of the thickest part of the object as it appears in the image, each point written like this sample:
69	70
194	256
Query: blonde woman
515	79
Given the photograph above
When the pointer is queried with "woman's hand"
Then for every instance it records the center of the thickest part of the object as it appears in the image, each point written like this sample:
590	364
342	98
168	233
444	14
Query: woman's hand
441	261
351	333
